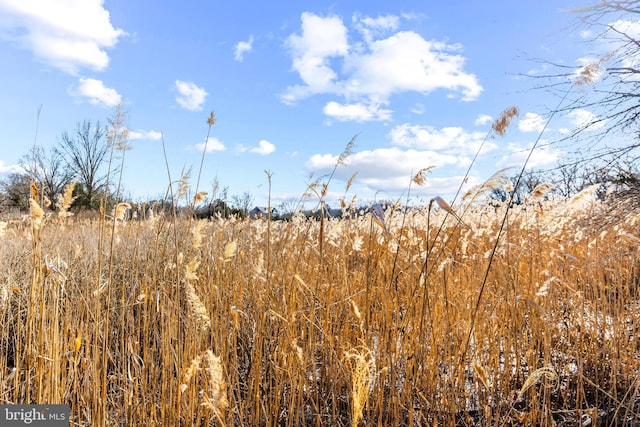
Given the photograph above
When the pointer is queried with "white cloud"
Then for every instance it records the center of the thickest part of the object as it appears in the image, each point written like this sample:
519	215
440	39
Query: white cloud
264	147
407	62
152	135
447	139
384	168
449	149
321	39
241	48
483	119
370	72
9	168
190	96
213	144
543	155
531	122
586	120
96	92
390	170
356	112
65	34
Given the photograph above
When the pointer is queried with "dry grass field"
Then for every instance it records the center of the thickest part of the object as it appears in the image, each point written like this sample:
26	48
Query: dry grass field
522	315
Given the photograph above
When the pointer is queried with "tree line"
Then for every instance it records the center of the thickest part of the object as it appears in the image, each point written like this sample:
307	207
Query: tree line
87	157
79	156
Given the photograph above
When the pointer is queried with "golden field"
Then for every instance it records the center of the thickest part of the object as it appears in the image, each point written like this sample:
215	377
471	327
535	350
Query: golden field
522	315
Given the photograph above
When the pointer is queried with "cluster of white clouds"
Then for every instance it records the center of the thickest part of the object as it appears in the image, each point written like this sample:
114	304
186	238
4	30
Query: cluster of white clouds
449	150
412	147
364	73
188	95
363	66
66	34
74	36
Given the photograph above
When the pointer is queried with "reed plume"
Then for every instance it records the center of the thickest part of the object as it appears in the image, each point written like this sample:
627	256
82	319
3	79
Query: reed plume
64	200
504	120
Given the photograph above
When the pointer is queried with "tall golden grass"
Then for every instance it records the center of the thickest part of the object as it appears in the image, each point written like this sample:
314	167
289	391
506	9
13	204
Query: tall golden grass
352	321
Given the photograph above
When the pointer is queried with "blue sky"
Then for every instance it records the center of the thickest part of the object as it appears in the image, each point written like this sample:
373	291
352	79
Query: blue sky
291	83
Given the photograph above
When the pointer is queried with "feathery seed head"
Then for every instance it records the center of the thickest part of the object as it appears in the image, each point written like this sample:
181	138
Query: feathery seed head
183	183
362	375
419	178
64	201
588	74
190	271
547	372
350	182
37	214
540	191
216	396
34	190
196	235
121	210
357	243
230	249
191	370
502	122
118	134
197	309
348	150
199	197
78	341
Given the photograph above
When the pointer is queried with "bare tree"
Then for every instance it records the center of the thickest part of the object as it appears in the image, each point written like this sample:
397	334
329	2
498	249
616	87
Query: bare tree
48	169
613	80
85	152
243	202
289	206
608	88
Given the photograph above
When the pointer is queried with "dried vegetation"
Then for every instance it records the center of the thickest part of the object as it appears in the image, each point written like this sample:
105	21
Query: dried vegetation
369	319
